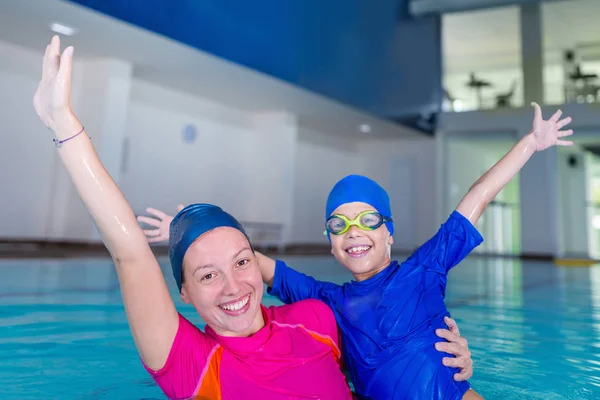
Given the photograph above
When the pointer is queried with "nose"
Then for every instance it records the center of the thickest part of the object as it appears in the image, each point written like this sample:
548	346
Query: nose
354	232
231	287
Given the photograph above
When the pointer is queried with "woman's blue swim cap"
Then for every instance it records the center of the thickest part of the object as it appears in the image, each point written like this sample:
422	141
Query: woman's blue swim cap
188	225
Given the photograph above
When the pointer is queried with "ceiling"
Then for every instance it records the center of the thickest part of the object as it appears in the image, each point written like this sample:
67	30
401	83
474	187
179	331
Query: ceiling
353	51
169	63
490	38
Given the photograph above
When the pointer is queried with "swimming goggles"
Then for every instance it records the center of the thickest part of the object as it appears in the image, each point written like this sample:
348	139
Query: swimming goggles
366	220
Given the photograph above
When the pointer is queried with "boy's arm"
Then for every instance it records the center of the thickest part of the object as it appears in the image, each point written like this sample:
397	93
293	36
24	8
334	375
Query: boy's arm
290	286
267	268
457	237
543	135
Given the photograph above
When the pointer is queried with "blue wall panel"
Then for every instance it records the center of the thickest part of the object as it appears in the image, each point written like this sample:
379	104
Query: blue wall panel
368	54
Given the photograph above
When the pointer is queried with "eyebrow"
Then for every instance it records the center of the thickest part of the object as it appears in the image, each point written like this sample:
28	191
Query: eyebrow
212	265
202	267
241	251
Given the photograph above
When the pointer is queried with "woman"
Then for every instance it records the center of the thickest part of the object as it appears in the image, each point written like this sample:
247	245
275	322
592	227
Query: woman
247	350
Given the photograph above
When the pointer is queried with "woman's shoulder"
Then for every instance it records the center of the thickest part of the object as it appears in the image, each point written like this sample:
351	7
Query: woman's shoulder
193	335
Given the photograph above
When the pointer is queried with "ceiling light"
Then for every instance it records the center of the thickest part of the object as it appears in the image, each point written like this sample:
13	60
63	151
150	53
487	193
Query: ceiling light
364	128
62	29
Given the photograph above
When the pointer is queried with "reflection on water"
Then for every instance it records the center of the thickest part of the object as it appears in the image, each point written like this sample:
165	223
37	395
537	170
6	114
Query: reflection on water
533	328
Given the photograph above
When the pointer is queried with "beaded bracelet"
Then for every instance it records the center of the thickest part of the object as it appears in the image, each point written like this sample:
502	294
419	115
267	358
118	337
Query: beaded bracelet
59	143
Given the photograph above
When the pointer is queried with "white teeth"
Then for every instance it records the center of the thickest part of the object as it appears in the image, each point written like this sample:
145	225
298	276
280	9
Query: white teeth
358	249
237	305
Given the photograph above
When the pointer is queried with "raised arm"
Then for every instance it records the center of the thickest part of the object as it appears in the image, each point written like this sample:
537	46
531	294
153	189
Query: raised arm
543	135
150	310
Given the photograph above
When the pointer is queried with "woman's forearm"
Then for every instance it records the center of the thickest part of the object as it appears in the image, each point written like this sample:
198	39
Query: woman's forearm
98	191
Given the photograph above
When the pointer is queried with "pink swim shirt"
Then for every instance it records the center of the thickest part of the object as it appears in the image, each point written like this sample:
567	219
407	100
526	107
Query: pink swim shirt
295	356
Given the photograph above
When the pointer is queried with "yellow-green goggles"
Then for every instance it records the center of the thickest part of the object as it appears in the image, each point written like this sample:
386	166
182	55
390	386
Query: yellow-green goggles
338	224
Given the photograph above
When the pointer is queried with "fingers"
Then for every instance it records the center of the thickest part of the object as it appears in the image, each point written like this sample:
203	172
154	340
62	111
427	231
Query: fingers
455	362
149	221
452	325
55	42
66	65
151	232
53	57
180	207
456	347
462	362
564	143
562	123
537	113
556	116
465	365
568	132
450	348
451	337
45	61
463	375
446	334
157	239
156	213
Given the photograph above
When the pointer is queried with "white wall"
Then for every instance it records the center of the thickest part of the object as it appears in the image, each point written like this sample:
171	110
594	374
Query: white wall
416	187
593	189
236	160
467	160
321	161
539	191
27	153
241	161
259	166
37	200
466	163
572	206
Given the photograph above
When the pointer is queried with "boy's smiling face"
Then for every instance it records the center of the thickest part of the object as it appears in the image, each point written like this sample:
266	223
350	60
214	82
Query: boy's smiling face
363	252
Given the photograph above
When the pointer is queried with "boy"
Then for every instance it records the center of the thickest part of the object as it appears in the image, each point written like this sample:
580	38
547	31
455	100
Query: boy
388	315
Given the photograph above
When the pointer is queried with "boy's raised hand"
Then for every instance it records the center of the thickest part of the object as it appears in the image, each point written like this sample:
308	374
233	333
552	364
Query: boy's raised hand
162	223
548	133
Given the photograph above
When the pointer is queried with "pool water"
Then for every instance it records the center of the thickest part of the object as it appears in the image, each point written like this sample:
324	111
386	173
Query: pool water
533	328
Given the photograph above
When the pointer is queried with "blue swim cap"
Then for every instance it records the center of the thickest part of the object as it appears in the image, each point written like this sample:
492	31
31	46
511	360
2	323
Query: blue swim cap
188	225
358	188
